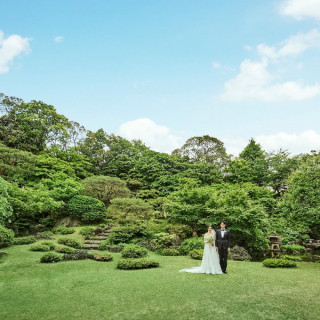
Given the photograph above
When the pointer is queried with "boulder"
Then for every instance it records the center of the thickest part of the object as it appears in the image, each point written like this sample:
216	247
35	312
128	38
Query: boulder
176	240
239	254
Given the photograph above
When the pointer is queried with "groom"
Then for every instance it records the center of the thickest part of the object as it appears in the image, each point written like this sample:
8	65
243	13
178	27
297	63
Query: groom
223	245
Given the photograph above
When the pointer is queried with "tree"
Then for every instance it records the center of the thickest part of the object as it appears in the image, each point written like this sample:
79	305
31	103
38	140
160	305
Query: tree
5	208
105	188
204	149
32	126
128	210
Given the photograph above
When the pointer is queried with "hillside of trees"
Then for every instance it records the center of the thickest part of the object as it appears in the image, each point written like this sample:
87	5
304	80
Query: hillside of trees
52	168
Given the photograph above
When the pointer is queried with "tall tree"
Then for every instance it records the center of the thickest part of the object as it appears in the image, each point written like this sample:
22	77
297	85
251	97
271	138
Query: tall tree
205	148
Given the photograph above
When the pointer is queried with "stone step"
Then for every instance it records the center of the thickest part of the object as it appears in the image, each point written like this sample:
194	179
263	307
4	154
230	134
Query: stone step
92	246
92	241
101	238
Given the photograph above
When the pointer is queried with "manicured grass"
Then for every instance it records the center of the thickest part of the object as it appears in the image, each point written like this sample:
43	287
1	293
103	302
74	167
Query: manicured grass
97	290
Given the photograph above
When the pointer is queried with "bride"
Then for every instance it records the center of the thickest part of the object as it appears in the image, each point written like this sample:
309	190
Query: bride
210	260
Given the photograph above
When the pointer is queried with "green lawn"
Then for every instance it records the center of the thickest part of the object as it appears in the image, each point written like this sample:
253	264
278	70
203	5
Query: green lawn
97	290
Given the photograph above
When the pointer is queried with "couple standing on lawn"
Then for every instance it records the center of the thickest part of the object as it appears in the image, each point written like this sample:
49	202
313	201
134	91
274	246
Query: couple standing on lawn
216	248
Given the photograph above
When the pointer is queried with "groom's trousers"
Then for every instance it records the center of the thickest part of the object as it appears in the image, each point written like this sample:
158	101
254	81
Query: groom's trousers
223	255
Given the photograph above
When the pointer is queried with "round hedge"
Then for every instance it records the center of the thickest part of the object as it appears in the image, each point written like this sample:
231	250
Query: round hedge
131	264
6	237
98	256
70	243
133	251
50	257
196	254
279	263
86	208
24	240
64	249
169	252
191	244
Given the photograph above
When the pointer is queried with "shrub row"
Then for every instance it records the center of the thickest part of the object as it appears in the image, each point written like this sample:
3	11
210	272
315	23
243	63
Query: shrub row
131	264
169	252
133	251
279	263
24	240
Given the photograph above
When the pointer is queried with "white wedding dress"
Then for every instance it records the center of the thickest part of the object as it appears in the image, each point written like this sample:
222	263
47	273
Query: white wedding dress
210	263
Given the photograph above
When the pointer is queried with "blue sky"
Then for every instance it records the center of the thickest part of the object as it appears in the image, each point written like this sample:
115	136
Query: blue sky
164	71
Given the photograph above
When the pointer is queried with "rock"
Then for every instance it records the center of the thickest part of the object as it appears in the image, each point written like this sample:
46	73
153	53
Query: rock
40	235
176	241
37	228
69	222
239	254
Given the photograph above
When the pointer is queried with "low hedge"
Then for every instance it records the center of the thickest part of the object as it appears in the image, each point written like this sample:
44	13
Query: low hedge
196	254
70	243
78	255
40	247
131	264
64	249
293	247
50	257
99	256
87	231
24	240
63	230
169	252
133	251
279	263
50	244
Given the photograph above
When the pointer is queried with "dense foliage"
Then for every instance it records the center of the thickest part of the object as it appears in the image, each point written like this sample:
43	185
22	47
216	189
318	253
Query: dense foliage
52	168
279	263
130	264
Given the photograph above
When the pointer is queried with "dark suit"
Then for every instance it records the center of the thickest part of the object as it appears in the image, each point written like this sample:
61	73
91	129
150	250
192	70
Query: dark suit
223	243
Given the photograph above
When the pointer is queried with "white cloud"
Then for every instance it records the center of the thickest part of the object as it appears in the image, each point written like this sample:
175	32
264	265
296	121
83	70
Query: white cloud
301	9
58	39
157	137
216	65
292	46
256	82
11	47
293	142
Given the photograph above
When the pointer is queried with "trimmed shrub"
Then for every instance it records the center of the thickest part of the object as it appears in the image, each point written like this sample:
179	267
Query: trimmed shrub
169	252
63	230
86	208
24	240
163	240
293	247
64	249
40	247
70	243
50	257
182	230
133	251
78	255
196	254
131	264
191	244
6	237
87	231
50	244
125	234
98	256
292	258
104	245
279	263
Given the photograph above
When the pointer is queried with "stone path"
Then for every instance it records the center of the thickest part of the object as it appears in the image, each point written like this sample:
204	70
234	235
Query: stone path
94	242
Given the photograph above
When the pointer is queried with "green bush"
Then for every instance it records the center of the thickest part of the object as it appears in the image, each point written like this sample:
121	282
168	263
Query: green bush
70	243
169	252
105	245
86	208
162	240
6	237
87	231
64	249
98	256
182	230
50	244
133	251
130	264
125	234
50	257
279	263
191	244
78	255
292	258
40	247
293	247
63	230
24	240
196	254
